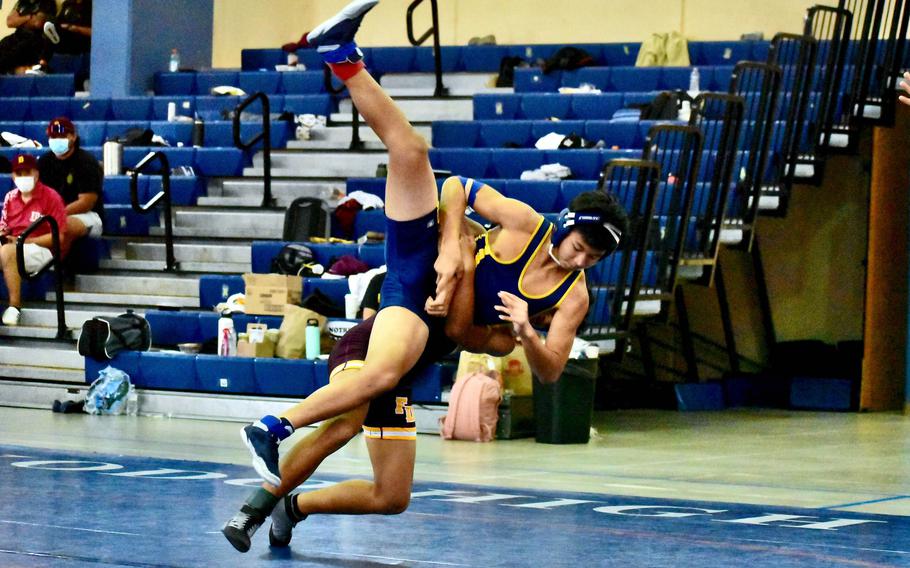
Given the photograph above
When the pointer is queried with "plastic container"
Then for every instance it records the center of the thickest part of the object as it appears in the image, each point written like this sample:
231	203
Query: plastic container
312	339
174	63
227	336
563	410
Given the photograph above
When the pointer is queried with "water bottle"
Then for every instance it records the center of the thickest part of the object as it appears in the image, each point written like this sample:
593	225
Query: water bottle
174	64
198	132
312	339
694	80
132	402
227	336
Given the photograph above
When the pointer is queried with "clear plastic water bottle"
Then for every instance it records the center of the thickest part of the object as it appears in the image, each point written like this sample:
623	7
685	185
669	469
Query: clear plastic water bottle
132	402
694	80
174	64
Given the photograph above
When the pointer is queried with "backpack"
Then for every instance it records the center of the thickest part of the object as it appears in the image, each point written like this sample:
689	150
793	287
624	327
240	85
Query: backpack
293	259
306	217
665	106
567	59
473	409
103	337
135	137
507	65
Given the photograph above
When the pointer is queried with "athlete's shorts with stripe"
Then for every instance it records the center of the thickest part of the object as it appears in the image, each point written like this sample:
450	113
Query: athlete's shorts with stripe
390	415
411	250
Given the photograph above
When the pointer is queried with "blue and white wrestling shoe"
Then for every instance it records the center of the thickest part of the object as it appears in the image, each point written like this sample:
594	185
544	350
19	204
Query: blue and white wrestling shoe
334	38
263	446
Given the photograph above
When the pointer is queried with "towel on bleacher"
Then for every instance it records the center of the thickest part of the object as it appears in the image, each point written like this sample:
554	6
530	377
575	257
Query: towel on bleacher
547	172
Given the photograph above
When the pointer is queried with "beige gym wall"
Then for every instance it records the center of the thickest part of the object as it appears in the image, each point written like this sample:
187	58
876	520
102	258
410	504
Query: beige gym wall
269	23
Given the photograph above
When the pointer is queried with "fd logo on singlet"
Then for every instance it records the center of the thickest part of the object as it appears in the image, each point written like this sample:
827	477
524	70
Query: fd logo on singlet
35	216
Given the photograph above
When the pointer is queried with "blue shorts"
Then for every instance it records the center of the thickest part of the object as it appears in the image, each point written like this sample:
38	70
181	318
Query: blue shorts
411	248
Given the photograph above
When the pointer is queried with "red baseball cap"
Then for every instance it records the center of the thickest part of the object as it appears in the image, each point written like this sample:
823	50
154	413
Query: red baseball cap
24	162
60	127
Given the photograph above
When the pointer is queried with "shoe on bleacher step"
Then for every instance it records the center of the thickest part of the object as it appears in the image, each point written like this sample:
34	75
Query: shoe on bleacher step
11	316
334	38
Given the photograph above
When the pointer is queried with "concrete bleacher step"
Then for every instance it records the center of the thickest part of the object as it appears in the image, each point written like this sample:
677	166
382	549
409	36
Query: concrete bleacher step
169	285
247	192
41	323
130	300
246	224
41	354
190	253
321	164
339	138
420	109
424	84
159	266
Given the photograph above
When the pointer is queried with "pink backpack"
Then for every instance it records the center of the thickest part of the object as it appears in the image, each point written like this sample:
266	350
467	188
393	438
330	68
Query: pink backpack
473	409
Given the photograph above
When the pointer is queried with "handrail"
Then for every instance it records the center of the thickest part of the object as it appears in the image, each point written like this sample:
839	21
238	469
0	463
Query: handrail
54	263
163	195
265	136
356	142
440	90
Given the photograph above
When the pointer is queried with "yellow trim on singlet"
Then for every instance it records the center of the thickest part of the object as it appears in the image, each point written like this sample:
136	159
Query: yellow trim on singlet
521	276
383	433
566	295
488	246
353	364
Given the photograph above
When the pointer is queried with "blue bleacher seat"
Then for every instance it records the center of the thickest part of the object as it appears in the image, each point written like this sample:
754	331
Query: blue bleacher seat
216	288
677	78
303	83
585	164
625	79
392	60
170	371
720	78
176	156
483	58
185	106
122	220
89	109
540	129
175	83
620	54
544	106
614	134
14	126
131	108
117	189
218	108
533	80
594	107
569	189
597	76
509	164
59	85
451	55
220	134
311	59
255	59
282	377
171	328
268	82
17	86
719	52
262	253
14	108
219	161
207	80
464	162
184	189
126	361
496	107
334	289
308	104
371	220
116	128
427	385
36	130
225	374
455	134
502	133
540	195
174	132
91	133
48	108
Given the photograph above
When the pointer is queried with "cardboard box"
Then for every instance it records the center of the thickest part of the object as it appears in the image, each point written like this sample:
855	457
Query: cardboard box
247	349
266	294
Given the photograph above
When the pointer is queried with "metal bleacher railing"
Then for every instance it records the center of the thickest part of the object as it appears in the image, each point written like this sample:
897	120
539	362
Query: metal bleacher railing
264	136
54	263
440	90
163	196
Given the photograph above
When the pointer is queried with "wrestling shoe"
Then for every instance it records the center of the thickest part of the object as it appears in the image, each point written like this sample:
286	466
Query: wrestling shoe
241	528
283	523
263	448
334	38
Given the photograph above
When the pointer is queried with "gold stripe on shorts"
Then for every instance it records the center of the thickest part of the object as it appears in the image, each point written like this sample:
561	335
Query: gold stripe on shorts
352	364
390	433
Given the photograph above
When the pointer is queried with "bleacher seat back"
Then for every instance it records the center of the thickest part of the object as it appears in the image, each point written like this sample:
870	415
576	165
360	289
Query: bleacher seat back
131	108
540	195
506	133
167	371
284	377
303	83
17	86
545	106
89	109
483	58
175	84
509	164
593	107
208	80
268	82
225	374
451	55
392	60
455	134
47	108
496	107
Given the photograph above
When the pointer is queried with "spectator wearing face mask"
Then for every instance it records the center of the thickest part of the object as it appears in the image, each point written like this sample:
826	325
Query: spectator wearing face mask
77	177
29	201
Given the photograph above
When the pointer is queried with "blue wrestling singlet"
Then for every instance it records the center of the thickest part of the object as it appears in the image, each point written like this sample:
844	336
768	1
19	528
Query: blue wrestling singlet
494	275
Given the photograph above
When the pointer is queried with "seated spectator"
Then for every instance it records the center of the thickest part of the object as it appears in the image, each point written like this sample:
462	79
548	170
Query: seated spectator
28	202
27	46
75	24
77	176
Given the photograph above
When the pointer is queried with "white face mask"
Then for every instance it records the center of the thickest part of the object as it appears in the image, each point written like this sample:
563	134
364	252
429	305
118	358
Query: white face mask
25	184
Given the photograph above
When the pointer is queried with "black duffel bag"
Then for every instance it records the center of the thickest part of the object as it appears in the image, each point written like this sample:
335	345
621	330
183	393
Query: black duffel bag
103	337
